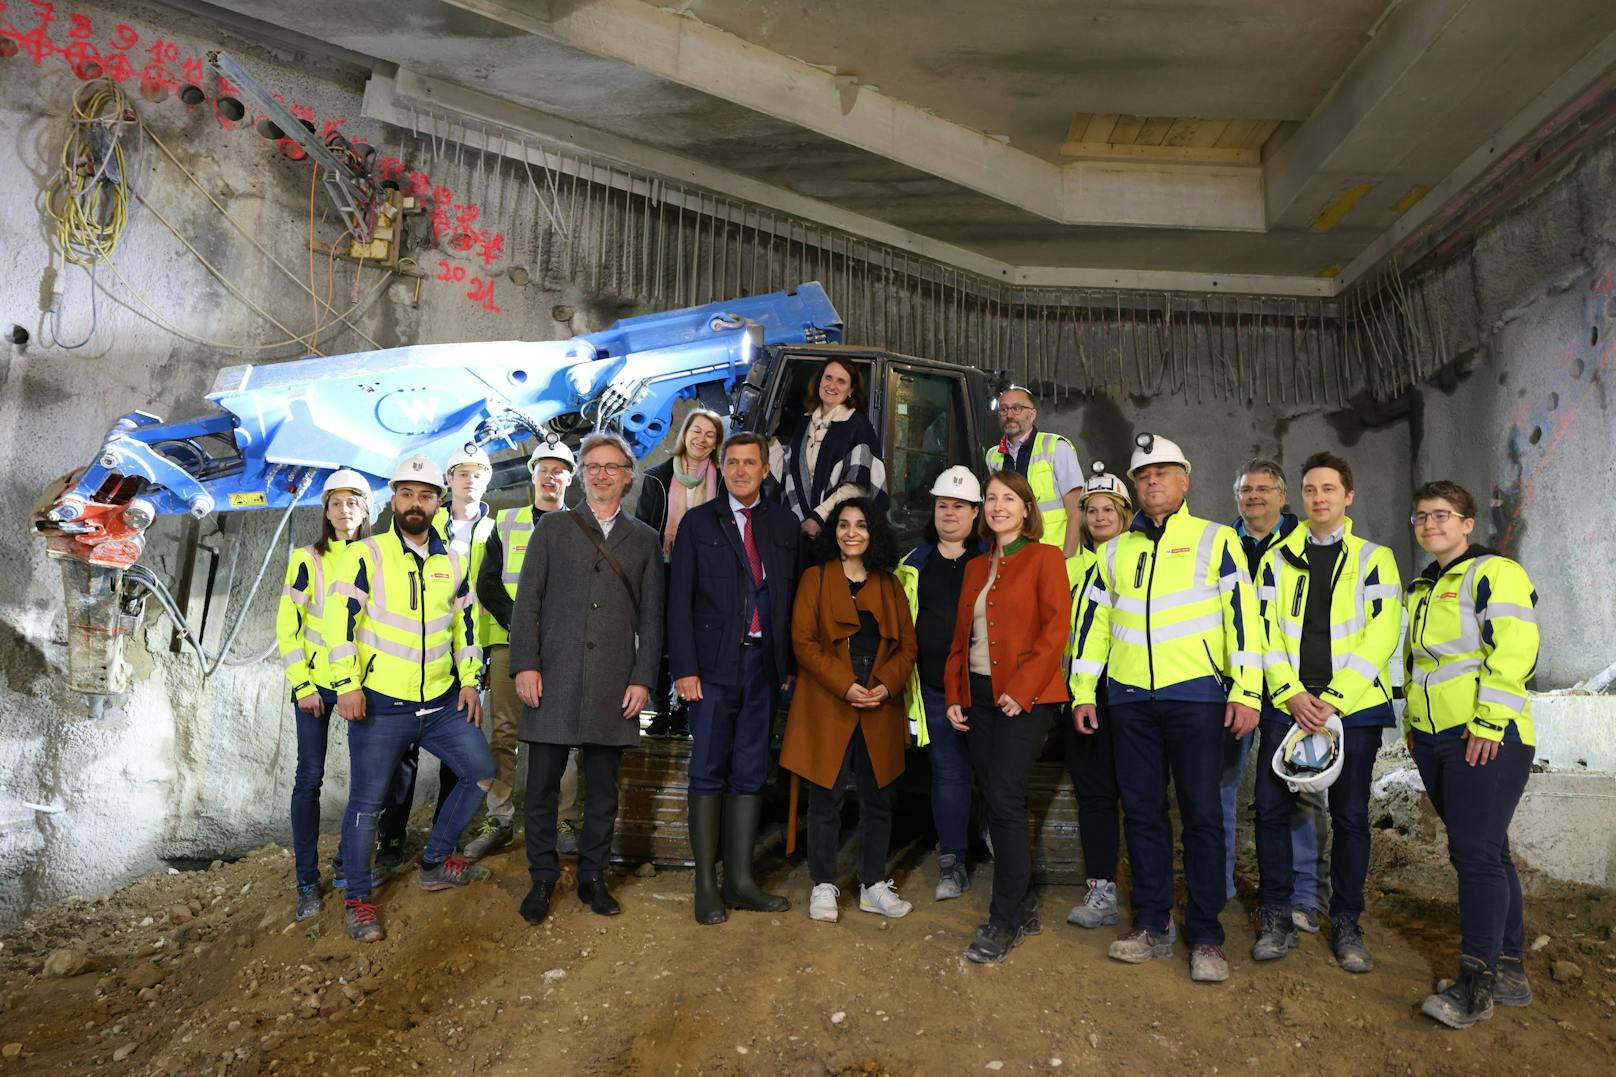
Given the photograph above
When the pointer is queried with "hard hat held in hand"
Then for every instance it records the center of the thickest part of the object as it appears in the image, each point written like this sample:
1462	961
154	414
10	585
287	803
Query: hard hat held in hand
1101	481
552	448
1155	449
1311	762
469	453
345	478
418	468
960	483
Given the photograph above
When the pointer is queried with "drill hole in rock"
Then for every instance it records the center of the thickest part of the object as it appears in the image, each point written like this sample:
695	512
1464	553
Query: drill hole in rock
1536	435
87	70
8	48
191	95
269	129
230	110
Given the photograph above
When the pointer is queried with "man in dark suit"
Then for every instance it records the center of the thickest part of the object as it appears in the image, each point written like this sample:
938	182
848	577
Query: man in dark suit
730	591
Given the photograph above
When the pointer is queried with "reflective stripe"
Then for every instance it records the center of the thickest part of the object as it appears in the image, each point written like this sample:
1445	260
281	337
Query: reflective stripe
464	653
400	621
348	590
1245	658
301	598
1204	623
1187	597
1464	667
1357	663
1135	636
1382	591
1056	505
1266	593
405	651
1227	584
378	579
1099	596
1347	629
1203	554
313	636
292	658
1274	658
342	651
1510	609
1081	665
1502	698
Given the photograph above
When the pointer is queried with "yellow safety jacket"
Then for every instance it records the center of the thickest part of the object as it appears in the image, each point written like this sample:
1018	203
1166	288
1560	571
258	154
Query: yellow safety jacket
1366	622
300	619
1041	477
1170	615
1472	647
1078	568
487	627
908	573
401	624
515	530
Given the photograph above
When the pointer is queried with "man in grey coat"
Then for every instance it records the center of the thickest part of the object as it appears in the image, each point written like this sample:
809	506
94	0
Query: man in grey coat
586	641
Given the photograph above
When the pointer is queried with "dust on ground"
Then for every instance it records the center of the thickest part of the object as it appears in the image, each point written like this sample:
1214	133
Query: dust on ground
205	972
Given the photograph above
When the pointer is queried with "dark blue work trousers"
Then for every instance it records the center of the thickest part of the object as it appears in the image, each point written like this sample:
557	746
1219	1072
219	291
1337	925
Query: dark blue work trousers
1092	763
950	759
1476	805
730	727
1155	739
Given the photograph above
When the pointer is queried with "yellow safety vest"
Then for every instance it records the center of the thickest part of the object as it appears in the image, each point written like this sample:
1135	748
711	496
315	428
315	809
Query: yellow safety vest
1078	567
487	627
300	619
1472	647
1041	477
1366	621
1173	619
913	706
515	530
402	625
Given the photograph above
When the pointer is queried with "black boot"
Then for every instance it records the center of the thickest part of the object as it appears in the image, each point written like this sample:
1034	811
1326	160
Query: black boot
740	837
704	812
1467	1001
536	906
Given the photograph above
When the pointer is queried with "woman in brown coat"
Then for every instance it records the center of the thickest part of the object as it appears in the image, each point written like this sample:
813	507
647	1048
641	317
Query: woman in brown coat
1006	674
855	645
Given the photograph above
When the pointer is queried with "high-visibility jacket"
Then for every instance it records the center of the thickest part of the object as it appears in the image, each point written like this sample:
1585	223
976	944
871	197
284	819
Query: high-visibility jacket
487	627
300	619
401	624
1041	477
908	573
1366	622
1170	614
1472	647
515	530
1079	567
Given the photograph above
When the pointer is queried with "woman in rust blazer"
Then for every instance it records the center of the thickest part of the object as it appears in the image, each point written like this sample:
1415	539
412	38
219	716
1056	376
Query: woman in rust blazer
855	645
1004	679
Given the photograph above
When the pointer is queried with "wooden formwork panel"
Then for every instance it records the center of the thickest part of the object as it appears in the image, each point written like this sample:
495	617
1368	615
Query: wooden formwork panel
652	811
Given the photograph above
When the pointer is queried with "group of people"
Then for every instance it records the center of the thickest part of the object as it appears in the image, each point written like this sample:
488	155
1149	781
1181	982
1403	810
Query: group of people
1160	645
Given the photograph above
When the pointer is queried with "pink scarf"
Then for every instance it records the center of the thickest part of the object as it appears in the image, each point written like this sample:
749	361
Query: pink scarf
688	491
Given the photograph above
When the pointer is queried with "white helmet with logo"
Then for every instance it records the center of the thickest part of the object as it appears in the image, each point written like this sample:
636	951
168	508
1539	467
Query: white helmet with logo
552	448
1310	762
418	468
960	483
469	453
345	478
1155	449
1101	481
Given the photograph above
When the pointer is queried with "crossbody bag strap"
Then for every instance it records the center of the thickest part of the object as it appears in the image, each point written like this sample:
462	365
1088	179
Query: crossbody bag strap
610	560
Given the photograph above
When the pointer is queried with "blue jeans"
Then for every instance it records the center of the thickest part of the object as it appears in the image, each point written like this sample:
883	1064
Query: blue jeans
950	761
376	744
312	735
1307	824
1153	739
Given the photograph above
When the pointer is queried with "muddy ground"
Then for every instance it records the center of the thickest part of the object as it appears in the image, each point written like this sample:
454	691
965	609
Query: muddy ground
205	972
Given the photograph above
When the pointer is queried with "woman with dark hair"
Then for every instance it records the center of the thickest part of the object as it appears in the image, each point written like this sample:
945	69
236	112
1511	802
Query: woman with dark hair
834	453
345	501
1005	677
855	646
688	478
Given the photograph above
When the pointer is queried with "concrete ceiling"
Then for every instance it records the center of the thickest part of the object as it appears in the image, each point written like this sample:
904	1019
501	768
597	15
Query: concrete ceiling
940	126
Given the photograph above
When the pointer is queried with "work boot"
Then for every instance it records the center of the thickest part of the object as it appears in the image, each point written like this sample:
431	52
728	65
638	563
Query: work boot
740	839
1207	963
449	873
1099	908
1306	918
1465	1002
1350	951
1276	935
489	837
536	906
992	944
1139	945
1510	986
593	892
822	903
567	838
1031	924
952	880
704	812
363	923
308	901
883	900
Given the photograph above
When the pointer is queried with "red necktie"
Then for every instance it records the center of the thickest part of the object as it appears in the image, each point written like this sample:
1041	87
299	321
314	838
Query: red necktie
756	562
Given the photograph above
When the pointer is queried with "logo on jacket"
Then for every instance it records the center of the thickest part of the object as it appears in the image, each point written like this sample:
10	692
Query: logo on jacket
1177	550
441	576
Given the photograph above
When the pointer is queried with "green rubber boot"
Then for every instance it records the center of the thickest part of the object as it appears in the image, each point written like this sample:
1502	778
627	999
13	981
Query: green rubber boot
704	812
740	837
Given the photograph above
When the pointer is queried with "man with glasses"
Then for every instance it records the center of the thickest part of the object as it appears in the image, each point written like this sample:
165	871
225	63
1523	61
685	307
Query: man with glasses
1262	524
586	643
1048	461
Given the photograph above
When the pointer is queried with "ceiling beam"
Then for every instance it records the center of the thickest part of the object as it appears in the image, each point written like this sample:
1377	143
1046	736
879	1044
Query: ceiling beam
683	50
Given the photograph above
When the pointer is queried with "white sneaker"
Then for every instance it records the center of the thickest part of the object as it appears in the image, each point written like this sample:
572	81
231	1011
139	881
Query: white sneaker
822	903
883	900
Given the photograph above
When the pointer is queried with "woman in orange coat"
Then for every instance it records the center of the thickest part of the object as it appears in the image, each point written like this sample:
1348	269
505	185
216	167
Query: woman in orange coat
855	645
1004	679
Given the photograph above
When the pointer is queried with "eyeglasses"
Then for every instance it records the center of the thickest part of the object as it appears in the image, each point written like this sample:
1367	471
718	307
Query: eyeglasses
1438	517
610	470
1014	409
1244	491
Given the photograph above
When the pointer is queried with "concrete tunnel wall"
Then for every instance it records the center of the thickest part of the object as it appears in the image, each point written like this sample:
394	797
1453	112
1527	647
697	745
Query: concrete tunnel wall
191	770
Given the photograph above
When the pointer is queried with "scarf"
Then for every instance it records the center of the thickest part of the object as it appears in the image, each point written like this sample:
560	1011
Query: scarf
818	424
689	490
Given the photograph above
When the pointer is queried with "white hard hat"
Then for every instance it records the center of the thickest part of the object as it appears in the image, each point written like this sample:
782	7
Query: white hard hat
1155	449
958	482
549	449
345	478
469	453
418	468
1101	481
1310	762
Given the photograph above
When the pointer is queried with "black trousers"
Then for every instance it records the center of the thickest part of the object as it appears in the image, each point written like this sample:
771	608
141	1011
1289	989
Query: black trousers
1003	750
545	764
825	819
1092	763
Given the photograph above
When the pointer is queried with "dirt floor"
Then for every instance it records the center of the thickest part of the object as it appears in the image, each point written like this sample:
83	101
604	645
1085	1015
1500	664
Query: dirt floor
205	972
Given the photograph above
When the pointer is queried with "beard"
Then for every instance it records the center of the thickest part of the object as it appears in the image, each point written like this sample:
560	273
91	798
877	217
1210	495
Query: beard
414	520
